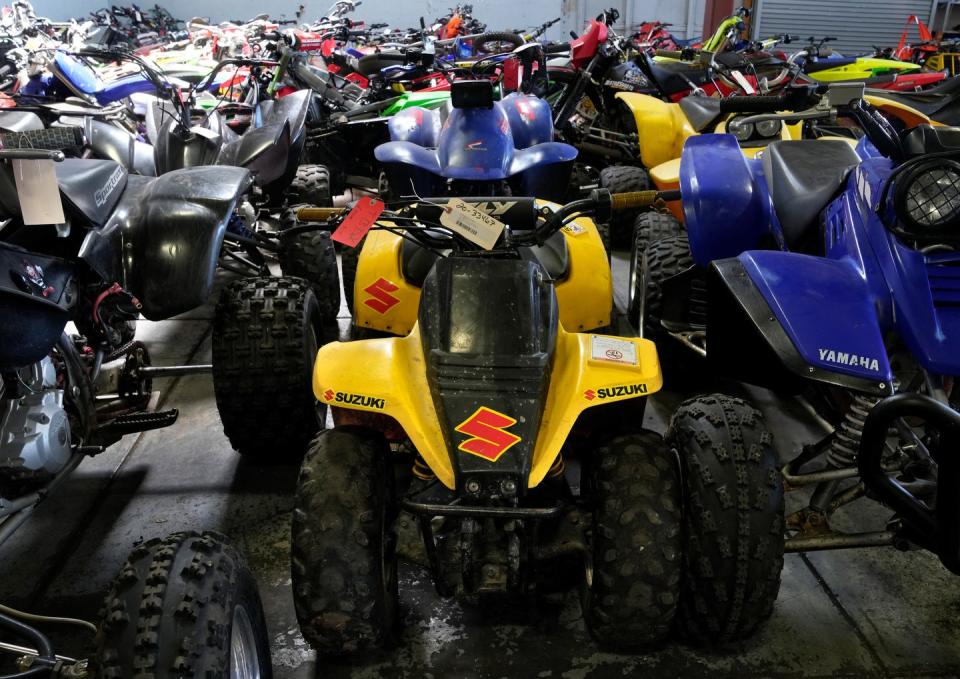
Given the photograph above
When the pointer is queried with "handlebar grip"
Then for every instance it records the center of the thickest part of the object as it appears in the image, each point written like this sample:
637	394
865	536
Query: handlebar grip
317	214
636	200
52	139
761	104
669	54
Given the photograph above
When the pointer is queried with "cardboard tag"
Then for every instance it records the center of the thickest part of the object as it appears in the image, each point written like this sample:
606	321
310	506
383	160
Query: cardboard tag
360	220
613	350
743	82
38	191
473	224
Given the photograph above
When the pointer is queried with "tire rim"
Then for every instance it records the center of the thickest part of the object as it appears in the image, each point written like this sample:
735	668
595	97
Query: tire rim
244	655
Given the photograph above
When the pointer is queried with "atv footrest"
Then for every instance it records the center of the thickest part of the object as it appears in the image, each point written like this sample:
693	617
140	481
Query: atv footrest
138	422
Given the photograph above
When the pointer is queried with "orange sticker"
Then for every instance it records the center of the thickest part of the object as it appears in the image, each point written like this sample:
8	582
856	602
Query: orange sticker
489	436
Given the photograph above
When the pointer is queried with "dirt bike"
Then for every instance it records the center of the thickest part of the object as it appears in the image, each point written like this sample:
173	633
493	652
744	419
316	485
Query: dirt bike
66	397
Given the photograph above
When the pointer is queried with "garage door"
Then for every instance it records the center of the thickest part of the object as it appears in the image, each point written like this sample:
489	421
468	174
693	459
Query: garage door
857	24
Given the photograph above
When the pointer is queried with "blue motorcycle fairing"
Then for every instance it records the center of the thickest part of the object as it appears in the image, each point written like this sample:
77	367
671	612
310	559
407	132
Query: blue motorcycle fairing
85	80
728	211
826	310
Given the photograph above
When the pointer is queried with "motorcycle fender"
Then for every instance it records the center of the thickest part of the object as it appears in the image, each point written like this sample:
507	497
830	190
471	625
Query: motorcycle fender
774	317
725	212
393	382
112	143
173	243
662	127
416	125
291	109
264	151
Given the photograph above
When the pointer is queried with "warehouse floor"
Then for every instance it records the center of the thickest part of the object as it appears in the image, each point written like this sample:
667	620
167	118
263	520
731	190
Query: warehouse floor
865	613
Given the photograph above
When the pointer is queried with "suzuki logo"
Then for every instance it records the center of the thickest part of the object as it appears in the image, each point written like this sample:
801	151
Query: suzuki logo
589	394
489	438
380	299
328	394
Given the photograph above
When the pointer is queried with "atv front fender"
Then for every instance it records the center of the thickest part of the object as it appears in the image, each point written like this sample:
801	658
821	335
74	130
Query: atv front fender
172	242
772	314
393	382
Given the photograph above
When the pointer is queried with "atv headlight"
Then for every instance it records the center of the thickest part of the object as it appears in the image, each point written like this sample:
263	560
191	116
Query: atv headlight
927	197
742	131
769	128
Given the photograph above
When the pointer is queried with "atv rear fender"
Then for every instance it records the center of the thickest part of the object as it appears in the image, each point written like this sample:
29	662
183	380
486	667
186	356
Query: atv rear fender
393	382
777	318
726	204
163	240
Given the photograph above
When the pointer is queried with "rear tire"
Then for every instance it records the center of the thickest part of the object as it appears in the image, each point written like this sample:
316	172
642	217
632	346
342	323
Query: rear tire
266	334
182	606
635	587
311	255
493	43
660	261
344	547
623	179
310	186
733	532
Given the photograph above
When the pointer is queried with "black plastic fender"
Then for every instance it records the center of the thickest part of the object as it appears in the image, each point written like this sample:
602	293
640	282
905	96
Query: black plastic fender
171	243
113	143
264	151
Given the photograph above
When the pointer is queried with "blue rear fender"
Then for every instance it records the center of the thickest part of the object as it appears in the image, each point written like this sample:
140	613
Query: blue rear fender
816	315
531	121
726	204
416	125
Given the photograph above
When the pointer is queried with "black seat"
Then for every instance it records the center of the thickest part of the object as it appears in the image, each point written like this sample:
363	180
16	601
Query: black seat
941	102
370	64
803	177
924	139
702	112
553	255
674	76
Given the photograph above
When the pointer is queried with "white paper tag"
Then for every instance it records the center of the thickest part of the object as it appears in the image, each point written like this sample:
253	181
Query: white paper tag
743	82
38	191
473	224
573	229
613	350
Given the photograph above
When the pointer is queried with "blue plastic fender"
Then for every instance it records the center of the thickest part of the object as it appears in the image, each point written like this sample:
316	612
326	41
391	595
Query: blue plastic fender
725	206
826	310
417	125
531	120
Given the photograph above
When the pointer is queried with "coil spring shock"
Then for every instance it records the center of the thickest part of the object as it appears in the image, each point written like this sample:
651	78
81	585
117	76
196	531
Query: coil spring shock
558	467
843	448
421	470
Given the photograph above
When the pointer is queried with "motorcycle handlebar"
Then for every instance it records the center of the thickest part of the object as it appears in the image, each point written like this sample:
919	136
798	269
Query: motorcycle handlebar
637	200
51	139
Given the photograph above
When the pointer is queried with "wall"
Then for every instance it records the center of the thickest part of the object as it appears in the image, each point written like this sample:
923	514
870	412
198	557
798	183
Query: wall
497	14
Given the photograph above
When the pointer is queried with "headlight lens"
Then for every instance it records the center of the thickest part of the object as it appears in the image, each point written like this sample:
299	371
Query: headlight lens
928	197
769	128
742	131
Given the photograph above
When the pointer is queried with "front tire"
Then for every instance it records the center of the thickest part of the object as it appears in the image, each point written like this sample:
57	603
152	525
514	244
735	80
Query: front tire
266	334
648	228
182	606
344	547
632	599
310	186
733	532
312	256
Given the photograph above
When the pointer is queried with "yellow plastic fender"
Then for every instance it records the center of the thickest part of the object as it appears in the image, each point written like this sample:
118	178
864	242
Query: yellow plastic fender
384	300
662	127
389	377
910	116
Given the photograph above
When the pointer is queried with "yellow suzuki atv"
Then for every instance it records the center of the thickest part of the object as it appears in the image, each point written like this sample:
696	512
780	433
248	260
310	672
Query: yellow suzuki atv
508	430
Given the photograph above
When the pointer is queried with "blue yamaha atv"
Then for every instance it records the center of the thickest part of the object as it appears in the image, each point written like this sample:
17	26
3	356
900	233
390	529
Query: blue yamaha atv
826	271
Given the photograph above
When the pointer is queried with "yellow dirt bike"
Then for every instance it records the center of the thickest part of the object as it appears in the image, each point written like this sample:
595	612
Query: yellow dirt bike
496	418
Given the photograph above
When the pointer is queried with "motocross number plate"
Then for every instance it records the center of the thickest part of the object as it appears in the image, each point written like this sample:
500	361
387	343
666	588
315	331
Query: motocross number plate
473	224
38	191
356	225
613	350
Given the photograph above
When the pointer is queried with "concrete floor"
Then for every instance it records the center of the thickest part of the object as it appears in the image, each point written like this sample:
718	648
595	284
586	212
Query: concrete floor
854	614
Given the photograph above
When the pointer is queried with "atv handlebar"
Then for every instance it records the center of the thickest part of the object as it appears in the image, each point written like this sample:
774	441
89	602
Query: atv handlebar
636	200
45	144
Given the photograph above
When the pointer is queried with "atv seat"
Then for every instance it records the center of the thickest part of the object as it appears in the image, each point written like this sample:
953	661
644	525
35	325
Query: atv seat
702	112
803	177
417	261
926	139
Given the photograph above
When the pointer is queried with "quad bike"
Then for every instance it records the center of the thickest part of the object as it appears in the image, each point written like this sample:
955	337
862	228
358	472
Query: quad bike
505	417
826	272
66	397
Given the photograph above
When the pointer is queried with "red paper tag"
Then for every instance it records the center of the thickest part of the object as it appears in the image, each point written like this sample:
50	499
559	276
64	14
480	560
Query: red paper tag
363	216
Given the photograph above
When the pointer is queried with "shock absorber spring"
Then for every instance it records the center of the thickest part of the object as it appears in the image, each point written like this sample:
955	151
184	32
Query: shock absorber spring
558	467
843	447
421	470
